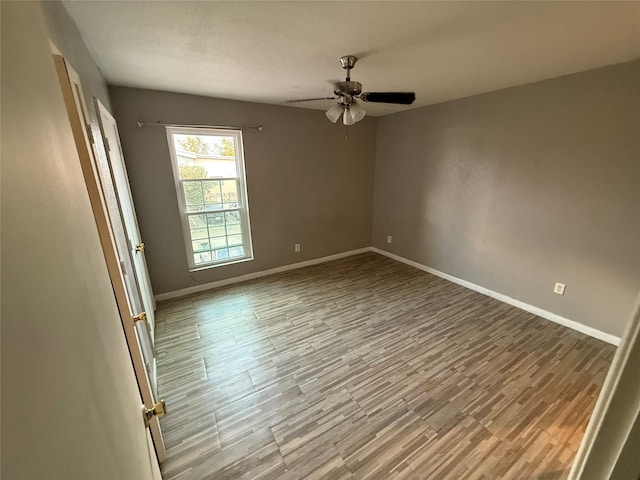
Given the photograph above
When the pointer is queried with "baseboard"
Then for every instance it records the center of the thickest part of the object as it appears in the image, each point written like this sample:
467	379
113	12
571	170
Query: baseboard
250	276
572	324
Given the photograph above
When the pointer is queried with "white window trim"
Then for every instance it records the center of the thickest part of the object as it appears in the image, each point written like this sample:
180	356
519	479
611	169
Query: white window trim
242	193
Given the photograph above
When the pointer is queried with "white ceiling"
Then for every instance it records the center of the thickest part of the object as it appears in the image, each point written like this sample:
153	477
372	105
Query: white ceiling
274	51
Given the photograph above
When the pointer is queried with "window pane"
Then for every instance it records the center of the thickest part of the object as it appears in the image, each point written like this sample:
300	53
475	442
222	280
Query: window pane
218	242
199	233
232	218
234	229
236	252
234	240
230	193
220	254
200	258
216	231
225	168
189	171
215	222
200	246
205	156
212	196
197	221
193	193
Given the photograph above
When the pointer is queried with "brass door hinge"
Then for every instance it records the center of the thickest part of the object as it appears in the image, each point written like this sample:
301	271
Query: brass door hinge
140	247
141	317
158	410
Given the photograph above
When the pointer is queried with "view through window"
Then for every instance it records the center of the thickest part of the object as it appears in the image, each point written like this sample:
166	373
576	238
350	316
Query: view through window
208	165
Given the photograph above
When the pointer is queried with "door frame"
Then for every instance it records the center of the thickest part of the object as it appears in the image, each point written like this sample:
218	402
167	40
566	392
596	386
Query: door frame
145	287
119	184
81	135
615	412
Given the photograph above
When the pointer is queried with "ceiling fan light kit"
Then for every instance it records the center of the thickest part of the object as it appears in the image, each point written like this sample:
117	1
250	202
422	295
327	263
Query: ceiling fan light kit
350	111
346	93
353	113
334	113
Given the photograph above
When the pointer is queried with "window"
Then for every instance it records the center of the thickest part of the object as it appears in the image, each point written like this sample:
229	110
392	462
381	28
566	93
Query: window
208	166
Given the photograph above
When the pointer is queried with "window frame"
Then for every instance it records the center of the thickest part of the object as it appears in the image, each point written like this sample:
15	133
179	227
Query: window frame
243	199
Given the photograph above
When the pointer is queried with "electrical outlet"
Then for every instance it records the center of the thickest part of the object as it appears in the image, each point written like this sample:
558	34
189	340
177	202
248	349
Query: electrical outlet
559	288
296	248
389	238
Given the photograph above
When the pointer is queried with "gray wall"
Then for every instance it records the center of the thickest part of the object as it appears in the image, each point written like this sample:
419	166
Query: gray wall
64	33
70	401
305	183
517	189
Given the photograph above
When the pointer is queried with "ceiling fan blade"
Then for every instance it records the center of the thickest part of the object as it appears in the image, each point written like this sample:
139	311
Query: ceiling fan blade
401	98
311	99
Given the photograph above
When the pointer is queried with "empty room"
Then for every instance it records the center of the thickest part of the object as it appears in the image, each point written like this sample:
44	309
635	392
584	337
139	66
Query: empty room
320	240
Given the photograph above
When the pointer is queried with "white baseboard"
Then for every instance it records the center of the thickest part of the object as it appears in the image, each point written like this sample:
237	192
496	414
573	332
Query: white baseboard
572	324
250	276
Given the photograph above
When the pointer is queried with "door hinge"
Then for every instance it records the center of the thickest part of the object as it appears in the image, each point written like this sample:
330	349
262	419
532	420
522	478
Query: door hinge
140	247
123	268
141	317
159	409
106	144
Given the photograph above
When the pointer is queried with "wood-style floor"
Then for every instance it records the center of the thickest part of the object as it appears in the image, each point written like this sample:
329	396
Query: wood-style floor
368	368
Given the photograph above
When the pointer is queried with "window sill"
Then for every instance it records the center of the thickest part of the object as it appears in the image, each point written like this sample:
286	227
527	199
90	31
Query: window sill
220	264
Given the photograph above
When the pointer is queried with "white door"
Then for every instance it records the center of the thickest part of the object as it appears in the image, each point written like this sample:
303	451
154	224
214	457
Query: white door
114	245
134	244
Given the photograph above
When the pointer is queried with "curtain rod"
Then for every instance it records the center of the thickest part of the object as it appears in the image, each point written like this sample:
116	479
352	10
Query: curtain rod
159	124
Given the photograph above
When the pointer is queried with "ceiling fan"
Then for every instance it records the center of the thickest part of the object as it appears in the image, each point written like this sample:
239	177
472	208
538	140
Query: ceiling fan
348	91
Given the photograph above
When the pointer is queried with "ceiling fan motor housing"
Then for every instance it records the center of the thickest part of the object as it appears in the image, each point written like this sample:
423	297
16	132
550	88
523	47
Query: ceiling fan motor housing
347	88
